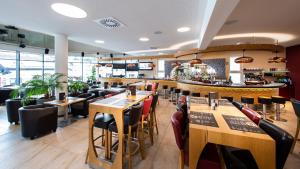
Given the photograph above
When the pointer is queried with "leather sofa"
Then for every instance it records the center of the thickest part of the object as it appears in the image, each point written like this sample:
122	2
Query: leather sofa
12	107
37	119
81	108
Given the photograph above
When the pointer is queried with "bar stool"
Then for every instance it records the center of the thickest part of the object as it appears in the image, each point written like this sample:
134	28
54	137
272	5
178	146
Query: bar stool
278	100
172	89
264	101
177	93
247	100
229	98
296	106
165	88
196	94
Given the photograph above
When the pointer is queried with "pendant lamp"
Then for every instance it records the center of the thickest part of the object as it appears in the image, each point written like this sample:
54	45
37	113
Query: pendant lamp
244	59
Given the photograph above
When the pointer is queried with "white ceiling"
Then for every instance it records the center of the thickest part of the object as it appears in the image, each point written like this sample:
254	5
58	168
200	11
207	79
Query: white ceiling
141	17
262	16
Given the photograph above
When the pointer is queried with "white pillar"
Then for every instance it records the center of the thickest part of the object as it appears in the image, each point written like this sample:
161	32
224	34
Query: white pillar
61	58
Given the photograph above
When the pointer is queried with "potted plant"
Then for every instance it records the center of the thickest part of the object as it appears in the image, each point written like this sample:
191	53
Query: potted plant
75	87
39	86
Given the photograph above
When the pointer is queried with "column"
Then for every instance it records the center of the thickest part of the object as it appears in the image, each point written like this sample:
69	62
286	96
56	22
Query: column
61	58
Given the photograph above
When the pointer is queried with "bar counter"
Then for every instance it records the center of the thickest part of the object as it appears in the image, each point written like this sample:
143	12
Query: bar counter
234	90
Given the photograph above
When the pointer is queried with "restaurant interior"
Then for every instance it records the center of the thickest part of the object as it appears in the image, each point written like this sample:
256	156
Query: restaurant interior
137	84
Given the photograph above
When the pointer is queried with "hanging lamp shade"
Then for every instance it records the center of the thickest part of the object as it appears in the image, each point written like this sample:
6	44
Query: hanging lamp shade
98	65
276	58
244	59
152	65
195	61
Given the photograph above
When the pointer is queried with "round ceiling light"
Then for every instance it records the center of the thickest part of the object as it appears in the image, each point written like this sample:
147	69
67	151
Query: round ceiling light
68	10
99	41
144	39
183	29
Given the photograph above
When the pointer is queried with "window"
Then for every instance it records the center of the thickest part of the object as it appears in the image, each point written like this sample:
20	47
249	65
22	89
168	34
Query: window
88	67
30	65
235	71
49	64
161	69
75	67
7	67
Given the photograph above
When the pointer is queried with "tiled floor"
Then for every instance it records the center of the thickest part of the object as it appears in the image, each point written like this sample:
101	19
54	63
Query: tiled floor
67	147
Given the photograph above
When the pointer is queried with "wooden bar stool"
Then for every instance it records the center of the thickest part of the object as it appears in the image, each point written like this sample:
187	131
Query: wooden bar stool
165	89
247	100
264	101
229	98
278	100
172	89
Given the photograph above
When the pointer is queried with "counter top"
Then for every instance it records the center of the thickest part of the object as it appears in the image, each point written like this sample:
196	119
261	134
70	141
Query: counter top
271	85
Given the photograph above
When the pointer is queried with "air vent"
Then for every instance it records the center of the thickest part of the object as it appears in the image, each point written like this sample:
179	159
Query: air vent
109	23
230	22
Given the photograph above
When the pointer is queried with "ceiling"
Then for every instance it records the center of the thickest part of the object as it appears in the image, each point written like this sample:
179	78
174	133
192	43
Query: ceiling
141	18
267	16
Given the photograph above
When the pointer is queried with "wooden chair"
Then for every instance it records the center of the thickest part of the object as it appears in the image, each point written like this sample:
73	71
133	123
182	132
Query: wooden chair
145	120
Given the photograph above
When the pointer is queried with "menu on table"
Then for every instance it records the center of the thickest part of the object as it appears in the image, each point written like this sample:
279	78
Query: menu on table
202	118
141	92
241	124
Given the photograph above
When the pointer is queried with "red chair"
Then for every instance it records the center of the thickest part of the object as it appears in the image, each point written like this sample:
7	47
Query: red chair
209	159
251	114
145	116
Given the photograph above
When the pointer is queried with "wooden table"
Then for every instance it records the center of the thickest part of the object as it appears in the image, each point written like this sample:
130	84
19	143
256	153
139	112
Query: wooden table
262	146
112	106
64	105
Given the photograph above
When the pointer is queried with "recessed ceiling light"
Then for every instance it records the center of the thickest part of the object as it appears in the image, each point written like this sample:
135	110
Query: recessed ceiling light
183	29
99	41
144	39
68	10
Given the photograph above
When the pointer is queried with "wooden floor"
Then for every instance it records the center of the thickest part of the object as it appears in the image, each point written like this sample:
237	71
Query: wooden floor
67	147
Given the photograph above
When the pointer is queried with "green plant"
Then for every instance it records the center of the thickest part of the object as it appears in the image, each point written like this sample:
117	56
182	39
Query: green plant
76	86
39	86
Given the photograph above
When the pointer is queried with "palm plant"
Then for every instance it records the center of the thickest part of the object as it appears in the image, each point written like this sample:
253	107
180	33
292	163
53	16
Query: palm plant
39	86
76	86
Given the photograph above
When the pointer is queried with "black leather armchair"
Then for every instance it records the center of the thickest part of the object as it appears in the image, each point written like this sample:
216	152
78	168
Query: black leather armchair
4	94
12	107
37	119
81	108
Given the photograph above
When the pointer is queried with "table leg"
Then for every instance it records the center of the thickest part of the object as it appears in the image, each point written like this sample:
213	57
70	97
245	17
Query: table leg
197	142
118	163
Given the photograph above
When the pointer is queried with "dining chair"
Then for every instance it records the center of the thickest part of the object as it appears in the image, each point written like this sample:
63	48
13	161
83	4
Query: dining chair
131	129
153	111
145	120
209	158
296	106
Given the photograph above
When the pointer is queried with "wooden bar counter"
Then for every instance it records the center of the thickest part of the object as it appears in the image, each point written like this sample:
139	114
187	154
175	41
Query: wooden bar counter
235	91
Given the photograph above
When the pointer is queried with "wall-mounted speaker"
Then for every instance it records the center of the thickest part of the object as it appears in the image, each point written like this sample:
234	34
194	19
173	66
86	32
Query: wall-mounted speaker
46	51
82	54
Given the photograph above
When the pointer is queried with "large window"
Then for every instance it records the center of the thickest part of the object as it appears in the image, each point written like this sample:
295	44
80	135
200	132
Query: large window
75	67
235	71
49	64
88	66
7	67
30	65
161	69
132	67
